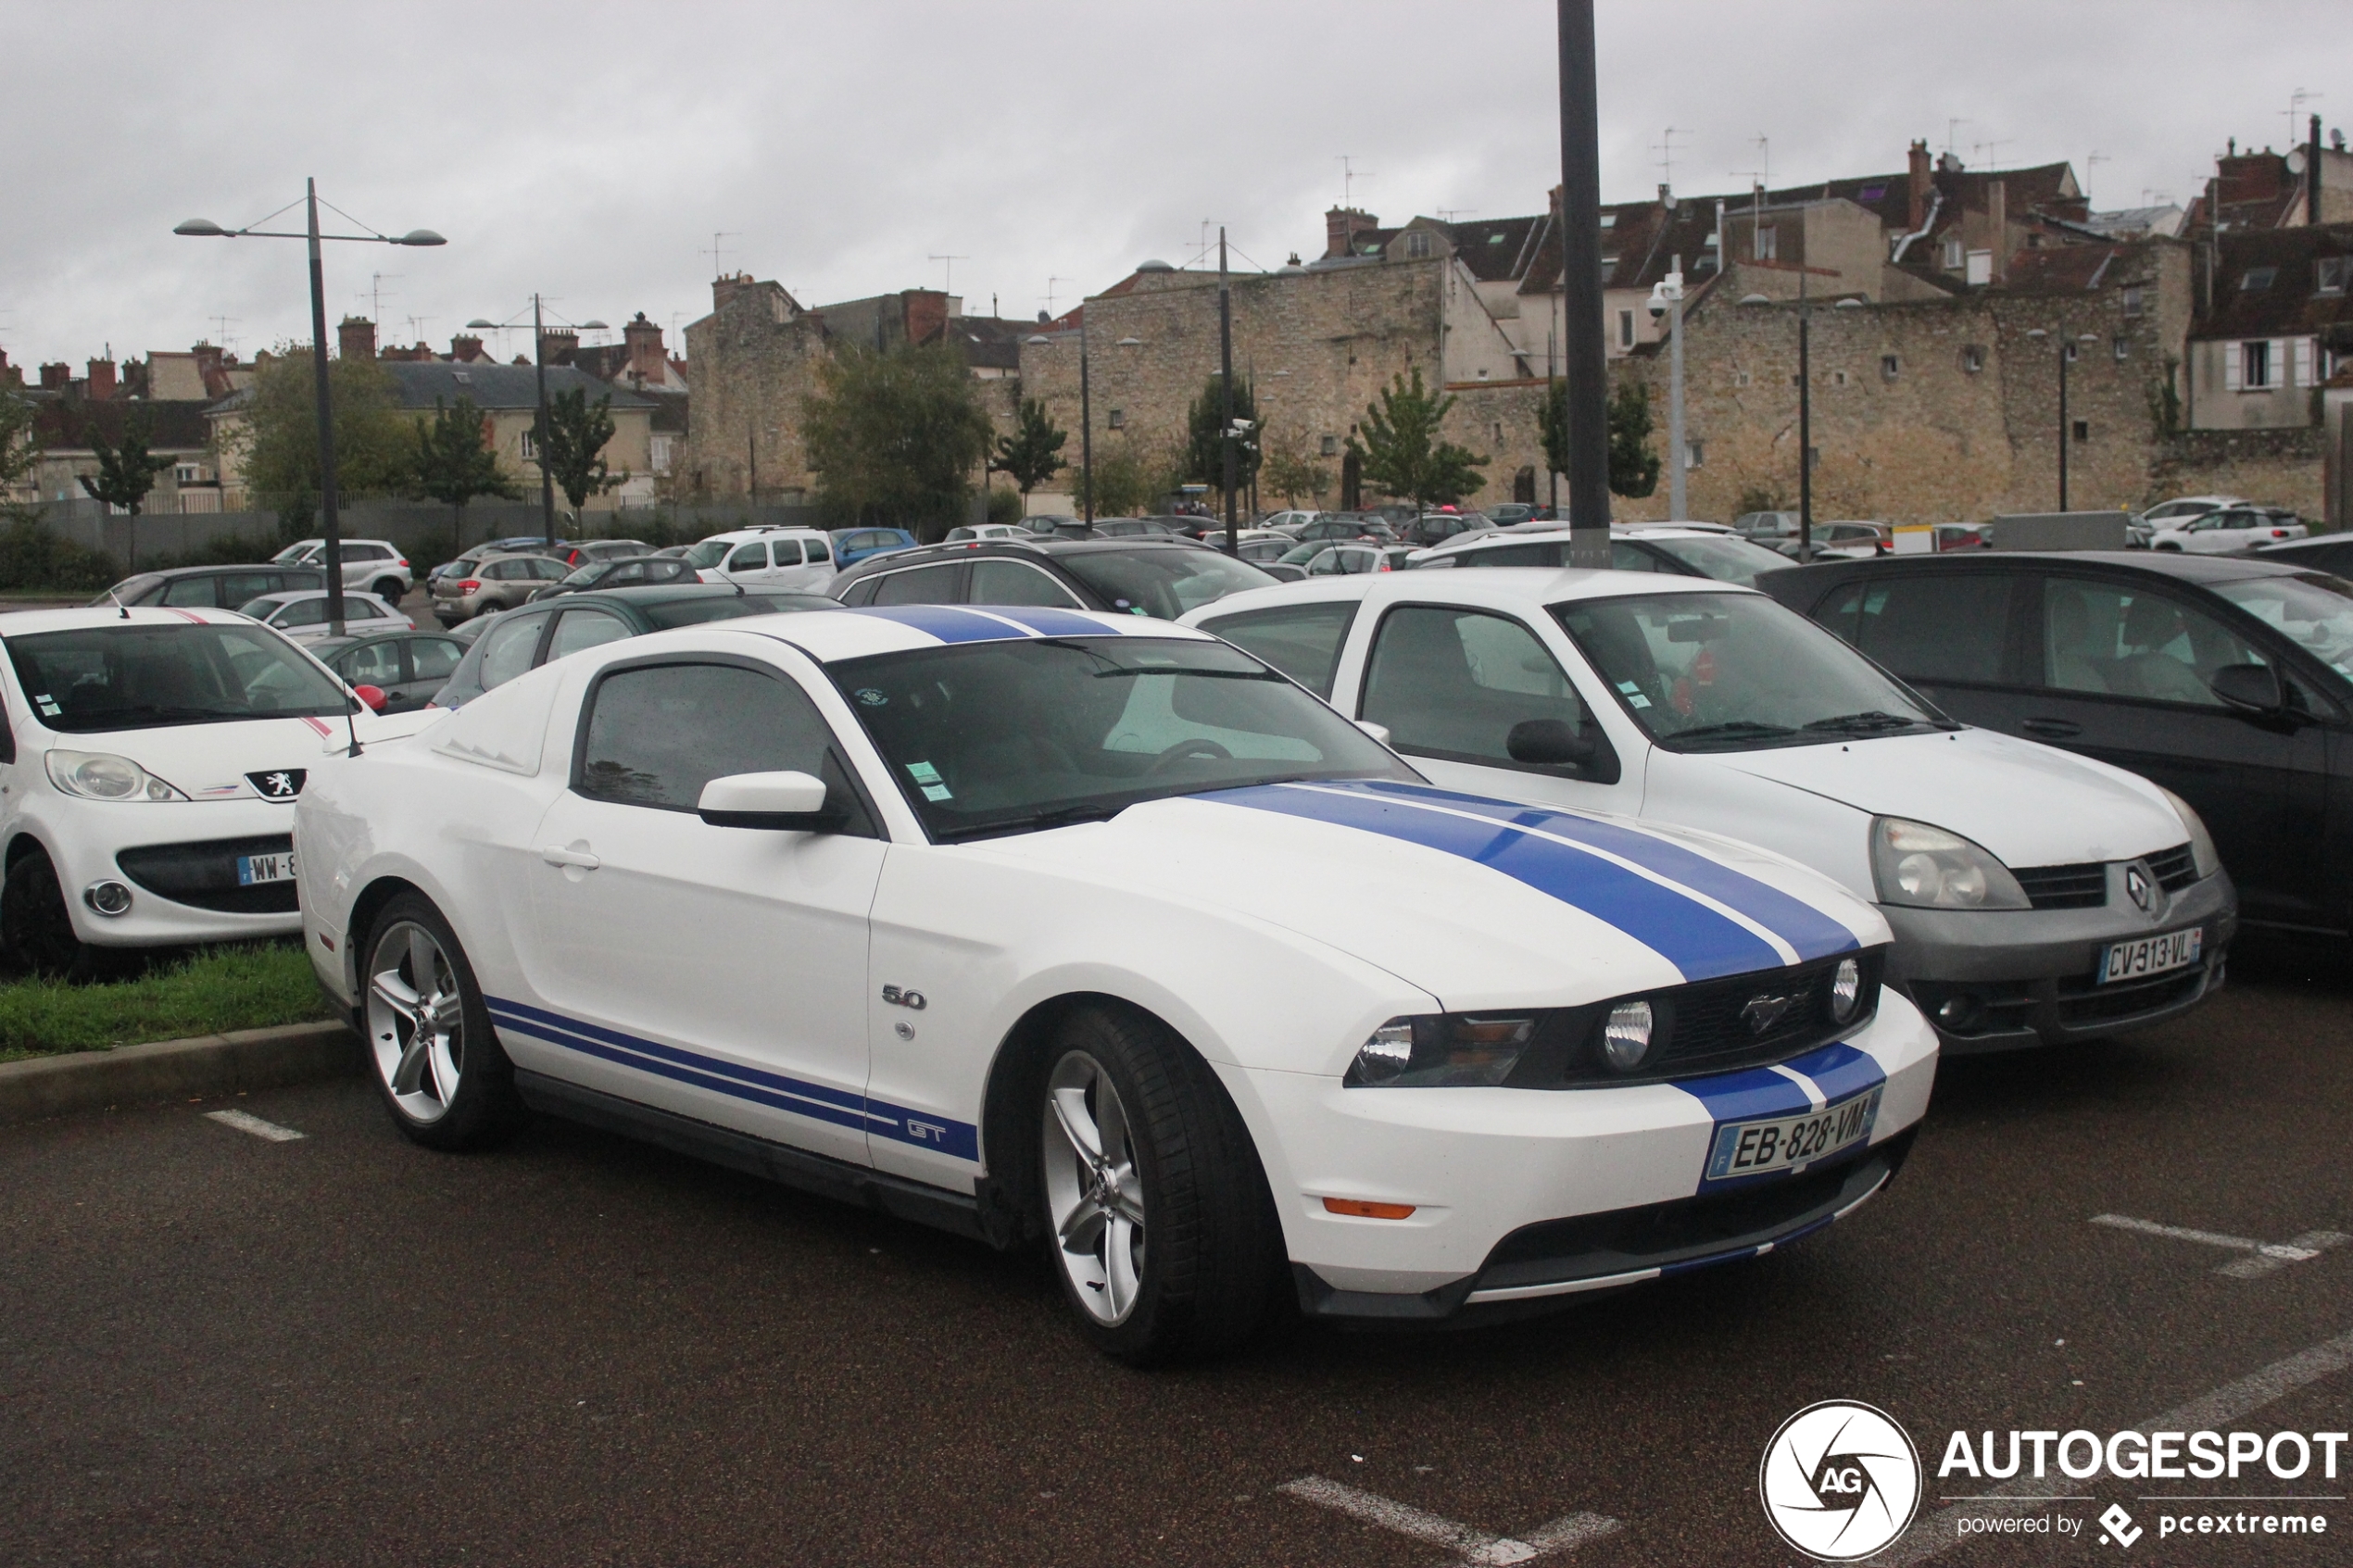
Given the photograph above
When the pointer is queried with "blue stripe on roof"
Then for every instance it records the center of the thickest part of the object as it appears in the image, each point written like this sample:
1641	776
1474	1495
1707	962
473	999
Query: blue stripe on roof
1055	622
817	1101
1701	943
1804	927
950	623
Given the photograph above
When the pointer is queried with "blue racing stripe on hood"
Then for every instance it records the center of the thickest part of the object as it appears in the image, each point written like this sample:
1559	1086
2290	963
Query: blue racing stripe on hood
1804	927
1694	939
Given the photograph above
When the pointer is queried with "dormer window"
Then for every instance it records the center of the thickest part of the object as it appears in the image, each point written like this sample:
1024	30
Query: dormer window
2256	279
1953	254
1417	244
2331	273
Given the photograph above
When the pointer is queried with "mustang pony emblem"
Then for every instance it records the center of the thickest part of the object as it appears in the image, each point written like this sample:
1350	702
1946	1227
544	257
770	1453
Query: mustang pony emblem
1763	1013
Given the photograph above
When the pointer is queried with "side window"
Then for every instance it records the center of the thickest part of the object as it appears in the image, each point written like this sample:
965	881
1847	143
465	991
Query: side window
1016	583
655	737
1515	554
1623	557
236	587
862	591
578	628
2100	637
1303	641
924	585
194	591
506	648
747	557
1942	628
1451	683
434	657
785	552
495	571
547	571
820	550
378	664
302	612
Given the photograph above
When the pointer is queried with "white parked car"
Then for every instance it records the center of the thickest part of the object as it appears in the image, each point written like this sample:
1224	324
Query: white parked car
150	761
2036	895
301	613
1289	522
989	531
375	565
2227	528
1686	549
1101	935
799	558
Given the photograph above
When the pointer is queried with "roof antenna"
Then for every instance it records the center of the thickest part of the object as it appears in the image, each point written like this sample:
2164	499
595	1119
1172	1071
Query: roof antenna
119	603
729	580
351	722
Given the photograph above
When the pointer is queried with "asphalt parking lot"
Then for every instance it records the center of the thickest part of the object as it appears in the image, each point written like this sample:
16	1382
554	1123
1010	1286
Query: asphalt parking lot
219	1347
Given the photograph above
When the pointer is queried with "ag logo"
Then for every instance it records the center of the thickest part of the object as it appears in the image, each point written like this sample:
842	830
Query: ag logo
1840	1481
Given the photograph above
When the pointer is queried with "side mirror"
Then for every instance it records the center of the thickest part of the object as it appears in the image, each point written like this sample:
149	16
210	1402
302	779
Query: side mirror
2251	688
1379	732
372	696
1548	743
789	802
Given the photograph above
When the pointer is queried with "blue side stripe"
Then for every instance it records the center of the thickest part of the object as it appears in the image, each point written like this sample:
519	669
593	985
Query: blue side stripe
1804	927
1696	939
818	1101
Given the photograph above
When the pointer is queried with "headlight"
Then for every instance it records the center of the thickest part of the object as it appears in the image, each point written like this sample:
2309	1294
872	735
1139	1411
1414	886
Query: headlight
2201	842
1440	1050
1847	989
100	775
1927	868
1626	1035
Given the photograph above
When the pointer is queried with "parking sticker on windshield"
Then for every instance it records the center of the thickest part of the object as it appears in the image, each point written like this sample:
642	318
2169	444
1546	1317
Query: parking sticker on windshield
926	778
48	705
872	697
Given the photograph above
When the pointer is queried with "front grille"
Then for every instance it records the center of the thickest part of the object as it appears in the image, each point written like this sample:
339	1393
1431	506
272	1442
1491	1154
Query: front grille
2113	1004
204	875
1704	1027
2064	887
2174	869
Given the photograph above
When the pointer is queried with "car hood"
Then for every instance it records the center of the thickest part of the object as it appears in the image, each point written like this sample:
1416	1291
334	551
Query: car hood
2031	805
222	761
1478	902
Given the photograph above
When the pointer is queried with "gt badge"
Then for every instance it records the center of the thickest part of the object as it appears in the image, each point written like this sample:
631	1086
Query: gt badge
913	1000
283	784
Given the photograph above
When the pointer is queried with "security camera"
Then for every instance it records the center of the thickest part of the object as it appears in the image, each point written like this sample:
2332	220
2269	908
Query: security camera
1658	302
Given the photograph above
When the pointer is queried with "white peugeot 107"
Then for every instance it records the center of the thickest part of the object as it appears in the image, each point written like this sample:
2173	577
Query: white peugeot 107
148	771
1036	923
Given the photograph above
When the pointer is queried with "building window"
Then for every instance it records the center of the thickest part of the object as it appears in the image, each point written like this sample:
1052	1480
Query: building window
2067	349
1119	419
1609	265
1972	358
185	474
530	447
2255	280
1417	244
2121	347
1766	243
1838	378
1626	328
1953	258
2255	365
2331	273
1980	268
2132	300
2083	430
1330	447
1888	367
1739	378
1695	454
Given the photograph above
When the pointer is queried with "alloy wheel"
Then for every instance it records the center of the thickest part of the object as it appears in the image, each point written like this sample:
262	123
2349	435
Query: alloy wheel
1094	1192
416	1020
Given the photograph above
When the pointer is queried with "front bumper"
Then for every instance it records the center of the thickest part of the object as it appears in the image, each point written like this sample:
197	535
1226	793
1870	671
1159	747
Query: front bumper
176	858
1524	1195
2007	980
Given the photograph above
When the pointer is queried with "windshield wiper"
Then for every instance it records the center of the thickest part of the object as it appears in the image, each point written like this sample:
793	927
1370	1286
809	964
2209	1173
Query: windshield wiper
1867	721
1037	821
1742	729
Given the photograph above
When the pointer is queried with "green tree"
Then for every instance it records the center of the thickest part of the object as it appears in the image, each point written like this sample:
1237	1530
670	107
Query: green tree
572	446
1402	454
895	435
277	442
127	470
455	463
1291	470
1633	466
1032	455
1204	422
19	442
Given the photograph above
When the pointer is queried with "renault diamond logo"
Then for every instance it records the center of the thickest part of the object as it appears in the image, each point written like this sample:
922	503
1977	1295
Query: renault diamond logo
282	784
1763	1013
2138	887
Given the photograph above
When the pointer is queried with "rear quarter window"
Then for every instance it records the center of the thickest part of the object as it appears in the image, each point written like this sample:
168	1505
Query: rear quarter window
1303	641
1947	627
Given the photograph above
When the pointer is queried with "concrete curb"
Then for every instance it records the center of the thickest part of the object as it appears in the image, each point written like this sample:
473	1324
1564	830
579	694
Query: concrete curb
169	1070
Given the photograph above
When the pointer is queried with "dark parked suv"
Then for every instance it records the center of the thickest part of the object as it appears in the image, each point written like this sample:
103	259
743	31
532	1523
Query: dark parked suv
2228	680
211	588
1162	577
523	640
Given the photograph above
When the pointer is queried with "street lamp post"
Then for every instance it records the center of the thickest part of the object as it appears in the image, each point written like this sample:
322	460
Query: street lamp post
1585	355
539	420
1086	423
328	510
2066	355
1666	299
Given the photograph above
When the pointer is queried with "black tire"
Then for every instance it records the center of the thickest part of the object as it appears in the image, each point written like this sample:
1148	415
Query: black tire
484	1109
35	925
1212	1242
389	590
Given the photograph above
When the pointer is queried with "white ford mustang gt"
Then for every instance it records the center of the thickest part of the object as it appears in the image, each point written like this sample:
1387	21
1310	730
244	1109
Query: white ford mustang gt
1039	924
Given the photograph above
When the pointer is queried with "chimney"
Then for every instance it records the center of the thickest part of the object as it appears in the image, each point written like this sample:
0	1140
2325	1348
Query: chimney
57	378
101	387
11	375
723	289
927	311
2312	176
1342	225
558	346
355	338
1921	182
465	350
644	340
1997	219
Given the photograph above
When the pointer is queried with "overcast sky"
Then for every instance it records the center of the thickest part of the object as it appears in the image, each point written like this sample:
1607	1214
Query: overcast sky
592	149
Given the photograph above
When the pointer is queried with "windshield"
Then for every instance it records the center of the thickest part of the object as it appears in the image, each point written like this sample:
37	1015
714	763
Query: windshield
1007	736
130	677
1725	558
710	552
586	574
727	607
1736	671
1163	583
2313	610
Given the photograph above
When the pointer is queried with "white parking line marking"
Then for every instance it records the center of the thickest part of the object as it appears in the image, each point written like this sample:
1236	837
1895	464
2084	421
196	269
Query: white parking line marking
2263	1257
1937	1533
253	1125
1469	1546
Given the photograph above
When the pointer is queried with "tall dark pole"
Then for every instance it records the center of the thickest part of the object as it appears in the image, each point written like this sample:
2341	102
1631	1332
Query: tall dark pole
1552	390
547	479
1585	360
1086	422
2067	352
1226	361
328	513
1804	423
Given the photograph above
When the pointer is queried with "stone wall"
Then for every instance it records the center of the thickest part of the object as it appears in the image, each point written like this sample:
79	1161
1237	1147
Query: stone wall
755	357
2276	467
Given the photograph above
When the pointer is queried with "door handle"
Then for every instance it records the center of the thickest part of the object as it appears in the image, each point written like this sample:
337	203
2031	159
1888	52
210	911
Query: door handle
557	855
2051	729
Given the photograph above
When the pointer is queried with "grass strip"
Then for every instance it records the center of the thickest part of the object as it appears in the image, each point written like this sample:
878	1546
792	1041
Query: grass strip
211	993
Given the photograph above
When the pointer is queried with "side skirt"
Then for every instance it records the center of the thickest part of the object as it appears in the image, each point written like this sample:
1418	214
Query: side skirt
777	1163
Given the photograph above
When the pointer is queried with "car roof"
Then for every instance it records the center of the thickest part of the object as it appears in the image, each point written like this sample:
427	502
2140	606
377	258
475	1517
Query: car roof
745	536
1038	544
645	594
26	622
1502	587
2179	564
855	633
219	569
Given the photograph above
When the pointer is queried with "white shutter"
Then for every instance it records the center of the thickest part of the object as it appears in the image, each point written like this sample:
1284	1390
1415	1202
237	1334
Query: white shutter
2234	366
2304	376
2279	361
